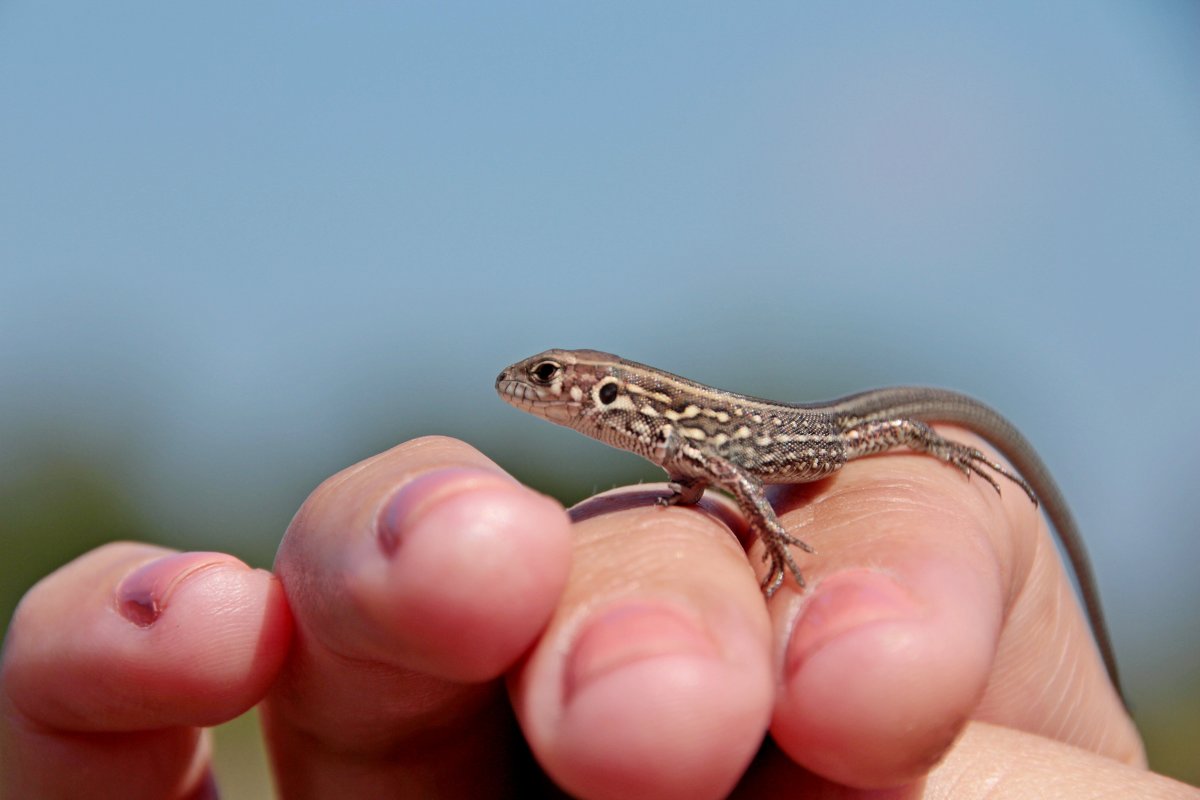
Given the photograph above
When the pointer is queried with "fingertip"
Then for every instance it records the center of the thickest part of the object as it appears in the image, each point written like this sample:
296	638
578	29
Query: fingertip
429	558
231	644
650	702
147	641
115	662
841	605
1004	640
879	676
654	678
473	565
679	714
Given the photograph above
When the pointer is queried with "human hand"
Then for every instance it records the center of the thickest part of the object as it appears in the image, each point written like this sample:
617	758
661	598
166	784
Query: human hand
648	667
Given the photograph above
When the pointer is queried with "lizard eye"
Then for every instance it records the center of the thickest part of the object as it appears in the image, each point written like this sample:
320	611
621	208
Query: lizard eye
544	372
608	393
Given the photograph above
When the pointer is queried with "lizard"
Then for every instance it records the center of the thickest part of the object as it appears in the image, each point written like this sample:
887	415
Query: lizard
704	436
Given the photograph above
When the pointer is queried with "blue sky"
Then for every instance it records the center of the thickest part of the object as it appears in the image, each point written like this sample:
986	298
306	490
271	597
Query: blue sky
244	244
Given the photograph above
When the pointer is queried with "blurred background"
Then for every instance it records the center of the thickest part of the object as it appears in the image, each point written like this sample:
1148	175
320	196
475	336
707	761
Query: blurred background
243	246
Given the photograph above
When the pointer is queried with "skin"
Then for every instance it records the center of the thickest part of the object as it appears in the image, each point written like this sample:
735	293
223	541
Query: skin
430	623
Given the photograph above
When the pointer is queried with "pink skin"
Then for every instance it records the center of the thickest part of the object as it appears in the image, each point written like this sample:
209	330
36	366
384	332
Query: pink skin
103	702
422	597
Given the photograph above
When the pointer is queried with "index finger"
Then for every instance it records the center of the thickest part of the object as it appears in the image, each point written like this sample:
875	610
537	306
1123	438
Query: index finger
932	601
416	578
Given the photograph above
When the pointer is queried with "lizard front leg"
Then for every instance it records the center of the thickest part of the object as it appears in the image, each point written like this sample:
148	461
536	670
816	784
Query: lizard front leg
686	485
748	492
685	490
692	469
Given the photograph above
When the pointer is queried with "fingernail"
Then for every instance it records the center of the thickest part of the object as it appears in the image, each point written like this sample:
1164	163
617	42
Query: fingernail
143	594
841	604
407	506
628	634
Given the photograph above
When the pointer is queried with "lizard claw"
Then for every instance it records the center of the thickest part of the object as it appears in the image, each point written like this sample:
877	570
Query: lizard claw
780	559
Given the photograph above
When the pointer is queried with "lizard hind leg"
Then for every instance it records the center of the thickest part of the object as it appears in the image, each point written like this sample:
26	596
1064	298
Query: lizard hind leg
972	462
976	459
876	436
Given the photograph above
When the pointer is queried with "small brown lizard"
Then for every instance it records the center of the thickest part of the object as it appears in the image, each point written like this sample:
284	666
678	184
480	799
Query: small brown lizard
704	436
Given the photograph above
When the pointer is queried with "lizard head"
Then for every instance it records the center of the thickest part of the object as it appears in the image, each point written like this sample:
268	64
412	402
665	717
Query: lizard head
597	394
563	386
622	403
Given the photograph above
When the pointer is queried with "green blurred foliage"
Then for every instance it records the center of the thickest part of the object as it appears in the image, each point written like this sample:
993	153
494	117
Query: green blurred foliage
240	760
53	510
1168	721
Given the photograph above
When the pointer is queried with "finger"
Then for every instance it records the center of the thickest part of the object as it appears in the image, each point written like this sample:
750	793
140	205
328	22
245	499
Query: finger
113	663
929	604
987	762
414	577
990	762
654	677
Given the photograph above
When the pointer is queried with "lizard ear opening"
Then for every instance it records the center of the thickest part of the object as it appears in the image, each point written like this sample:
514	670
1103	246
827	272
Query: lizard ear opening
608	393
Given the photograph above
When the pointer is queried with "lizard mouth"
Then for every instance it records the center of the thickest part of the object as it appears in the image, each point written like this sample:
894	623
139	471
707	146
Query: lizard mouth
518	393
528	398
